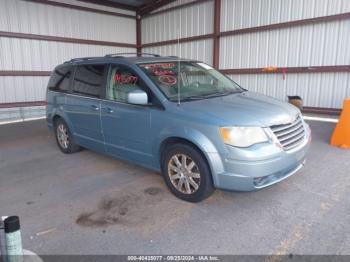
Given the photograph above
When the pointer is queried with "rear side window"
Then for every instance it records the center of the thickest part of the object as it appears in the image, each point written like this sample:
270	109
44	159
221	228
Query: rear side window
88	80
60	78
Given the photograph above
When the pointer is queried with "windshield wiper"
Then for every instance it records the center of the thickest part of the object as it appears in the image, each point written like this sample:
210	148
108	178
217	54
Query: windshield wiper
198	97
194	97
212	95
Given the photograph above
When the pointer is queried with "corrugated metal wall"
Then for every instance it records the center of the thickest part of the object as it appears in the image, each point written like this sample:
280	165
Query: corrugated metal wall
198	50
323	44
38	55
34	18
22	54
237	14
326	90
185	22
308	45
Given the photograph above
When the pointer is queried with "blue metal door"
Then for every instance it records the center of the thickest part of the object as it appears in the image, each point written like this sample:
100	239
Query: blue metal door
126	127
84	105
127	131
84	114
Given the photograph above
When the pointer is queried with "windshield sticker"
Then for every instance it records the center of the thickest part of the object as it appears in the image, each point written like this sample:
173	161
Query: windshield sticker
160	72
168	80
205	66
125	79
161	69
162	65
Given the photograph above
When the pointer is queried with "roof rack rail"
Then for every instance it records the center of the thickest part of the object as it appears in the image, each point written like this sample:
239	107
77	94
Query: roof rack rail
82	59
136	54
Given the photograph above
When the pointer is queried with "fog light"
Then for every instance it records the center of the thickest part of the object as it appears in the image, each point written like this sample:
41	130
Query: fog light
260	181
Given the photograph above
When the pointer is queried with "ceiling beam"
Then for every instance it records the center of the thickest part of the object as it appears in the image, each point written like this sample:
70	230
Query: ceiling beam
110	4
79	7
148	8
176	7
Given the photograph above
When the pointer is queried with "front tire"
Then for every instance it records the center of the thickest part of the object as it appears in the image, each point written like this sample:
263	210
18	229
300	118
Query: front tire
64	138
187	173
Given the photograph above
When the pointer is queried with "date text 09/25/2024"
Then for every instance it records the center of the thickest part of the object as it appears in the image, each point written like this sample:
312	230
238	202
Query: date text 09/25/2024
173	258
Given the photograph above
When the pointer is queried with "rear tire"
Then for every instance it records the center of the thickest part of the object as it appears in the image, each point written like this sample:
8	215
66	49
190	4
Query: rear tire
64	138
186	173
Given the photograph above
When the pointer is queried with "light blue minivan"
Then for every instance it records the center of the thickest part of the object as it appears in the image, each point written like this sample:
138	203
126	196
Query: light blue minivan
181	117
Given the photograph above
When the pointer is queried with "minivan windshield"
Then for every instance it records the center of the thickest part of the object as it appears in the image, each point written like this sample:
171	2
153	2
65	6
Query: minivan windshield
186	80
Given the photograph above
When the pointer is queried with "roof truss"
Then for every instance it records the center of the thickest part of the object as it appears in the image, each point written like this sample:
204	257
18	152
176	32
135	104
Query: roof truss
146	8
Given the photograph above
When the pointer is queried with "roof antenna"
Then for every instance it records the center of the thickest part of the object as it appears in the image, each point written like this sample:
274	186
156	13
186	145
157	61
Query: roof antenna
179	64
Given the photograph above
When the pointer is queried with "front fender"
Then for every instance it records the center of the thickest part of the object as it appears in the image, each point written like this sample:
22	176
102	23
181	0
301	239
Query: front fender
196	137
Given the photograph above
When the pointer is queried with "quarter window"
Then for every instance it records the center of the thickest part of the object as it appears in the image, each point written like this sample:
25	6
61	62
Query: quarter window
88	80
60	79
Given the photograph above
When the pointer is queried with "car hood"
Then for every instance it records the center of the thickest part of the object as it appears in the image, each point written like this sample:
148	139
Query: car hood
242	109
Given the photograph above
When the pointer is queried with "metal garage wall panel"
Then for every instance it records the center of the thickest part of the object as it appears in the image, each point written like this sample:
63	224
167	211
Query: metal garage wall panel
237	14
311	45
173	4
198	50
184	22
22	89
33	55
317	89
33	18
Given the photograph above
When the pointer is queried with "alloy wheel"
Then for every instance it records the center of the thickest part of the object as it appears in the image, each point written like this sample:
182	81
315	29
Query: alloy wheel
184	174
62	136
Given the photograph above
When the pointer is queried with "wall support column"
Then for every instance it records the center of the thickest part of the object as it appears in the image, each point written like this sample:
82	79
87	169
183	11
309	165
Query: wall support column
216	39
138	34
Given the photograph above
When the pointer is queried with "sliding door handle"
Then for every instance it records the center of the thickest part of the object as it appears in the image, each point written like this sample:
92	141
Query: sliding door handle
109	110
95	108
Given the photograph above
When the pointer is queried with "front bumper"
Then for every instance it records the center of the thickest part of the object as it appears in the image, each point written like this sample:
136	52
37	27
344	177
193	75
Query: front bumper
250	175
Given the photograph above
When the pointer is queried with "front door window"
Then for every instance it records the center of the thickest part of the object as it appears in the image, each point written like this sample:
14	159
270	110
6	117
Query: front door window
122	81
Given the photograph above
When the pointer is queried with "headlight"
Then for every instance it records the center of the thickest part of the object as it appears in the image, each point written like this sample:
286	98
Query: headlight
243	136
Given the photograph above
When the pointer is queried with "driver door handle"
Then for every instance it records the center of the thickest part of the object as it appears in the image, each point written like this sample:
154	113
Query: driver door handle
95	108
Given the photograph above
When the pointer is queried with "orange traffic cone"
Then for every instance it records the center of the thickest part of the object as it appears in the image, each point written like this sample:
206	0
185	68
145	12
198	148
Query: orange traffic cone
341	134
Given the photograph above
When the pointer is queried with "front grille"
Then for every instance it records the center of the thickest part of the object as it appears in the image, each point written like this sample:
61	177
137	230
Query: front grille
290	135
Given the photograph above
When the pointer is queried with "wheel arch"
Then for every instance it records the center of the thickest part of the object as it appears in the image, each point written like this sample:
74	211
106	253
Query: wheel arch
205	148
178	140
55	119
58	115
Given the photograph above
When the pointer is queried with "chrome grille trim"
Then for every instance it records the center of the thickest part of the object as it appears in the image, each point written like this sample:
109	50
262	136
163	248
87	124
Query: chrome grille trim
290	135
287	131
296	138
278	128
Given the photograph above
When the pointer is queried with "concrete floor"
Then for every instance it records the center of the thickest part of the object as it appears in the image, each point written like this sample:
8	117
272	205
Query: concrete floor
87	203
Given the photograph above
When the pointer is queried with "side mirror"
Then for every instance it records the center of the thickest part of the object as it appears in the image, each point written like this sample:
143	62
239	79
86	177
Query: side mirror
137	97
